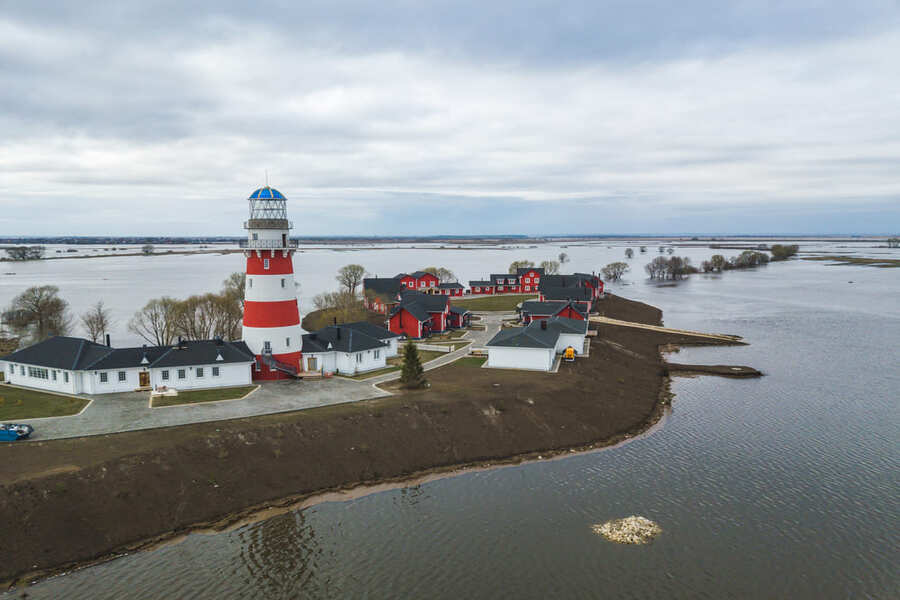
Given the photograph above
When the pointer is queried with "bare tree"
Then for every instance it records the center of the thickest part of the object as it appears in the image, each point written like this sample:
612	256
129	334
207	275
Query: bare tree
350	276
520	264
39	313
717	262
97	321
147	249
551	267
563	258
614	271
893	242
657	268
643	249
443	274
629	252
156	321
206	316
235	286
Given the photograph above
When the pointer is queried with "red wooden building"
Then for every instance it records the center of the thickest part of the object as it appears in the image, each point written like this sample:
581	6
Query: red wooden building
418	315
535	310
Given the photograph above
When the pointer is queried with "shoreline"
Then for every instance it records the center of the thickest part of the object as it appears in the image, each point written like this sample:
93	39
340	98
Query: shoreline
100	497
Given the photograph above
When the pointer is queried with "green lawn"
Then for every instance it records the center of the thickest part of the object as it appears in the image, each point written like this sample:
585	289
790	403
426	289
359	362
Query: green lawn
499	302
17	404
196	396
471	361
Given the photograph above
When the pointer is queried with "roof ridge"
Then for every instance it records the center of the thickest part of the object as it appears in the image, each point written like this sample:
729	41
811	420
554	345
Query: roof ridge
88	366
163	355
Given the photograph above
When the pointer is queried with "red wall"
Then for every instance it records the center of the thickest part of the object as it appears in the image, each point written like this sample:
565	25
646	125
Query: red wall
292	358
405	323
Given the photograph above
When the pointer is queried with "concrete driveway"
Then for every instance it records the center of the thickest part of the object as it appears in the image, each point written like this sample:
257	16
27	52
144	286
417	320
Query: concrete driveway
113	413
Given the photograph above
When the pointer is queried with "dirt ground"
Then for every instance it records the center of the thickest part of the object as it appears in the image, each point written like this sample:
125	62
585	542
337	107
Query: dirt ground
83	499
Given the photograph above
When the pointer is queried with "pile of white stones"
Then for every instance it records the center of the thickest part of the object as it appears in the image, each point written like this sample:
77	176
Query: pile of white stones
630	530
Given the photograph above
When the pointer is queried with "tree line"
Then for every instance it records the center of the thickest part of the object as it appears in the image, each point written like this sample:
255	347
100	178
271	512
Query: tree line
25	252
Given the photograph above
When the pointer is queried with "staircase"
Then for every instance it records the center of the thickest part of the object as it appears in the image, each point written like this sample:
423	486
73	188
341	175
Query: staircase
271	362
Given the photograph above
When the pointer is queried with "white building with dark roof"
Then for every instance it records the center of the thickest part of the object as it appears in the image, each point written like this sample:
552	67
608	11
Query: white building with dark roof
535	346
348	349
78	366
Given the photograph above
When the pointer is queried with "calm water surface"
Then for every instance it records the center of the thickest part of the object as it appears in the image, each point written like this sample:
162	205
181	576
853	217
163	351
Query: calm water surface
785	487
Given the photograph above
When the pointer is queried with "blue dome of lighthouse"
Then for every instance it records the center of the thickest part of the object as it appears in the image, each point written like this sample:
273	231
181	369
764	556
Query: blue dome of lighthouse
266	193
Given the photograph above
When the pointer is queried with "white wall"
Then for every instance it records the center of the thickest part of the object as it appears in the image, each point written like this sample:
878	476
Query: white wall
540	359
60	385
268	288
393	347
230	375
255	338
346	363
576	340
92	385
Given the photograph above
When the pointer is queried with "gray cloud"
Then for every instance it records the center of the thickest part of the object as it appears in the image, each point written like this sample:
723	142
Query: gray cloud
633	116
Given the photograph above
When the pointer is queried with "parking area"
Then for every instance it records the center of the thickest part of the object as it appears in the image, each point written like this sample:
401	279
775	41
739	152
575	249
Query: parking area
114	413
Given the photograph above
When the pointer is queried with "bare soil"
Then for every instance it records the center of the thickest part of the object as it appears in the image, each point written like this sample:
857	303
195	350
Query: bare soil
84	499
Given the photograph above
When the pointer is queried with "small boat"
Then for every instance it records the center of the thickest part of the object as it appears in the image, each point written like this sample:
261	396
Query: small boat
10	432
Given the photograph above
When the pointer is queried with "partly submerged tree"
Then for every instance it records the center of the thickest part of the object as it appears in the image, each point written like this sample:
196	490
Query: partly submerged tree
783	252
551	267
147	249
893	242
350	276
614	271
97	321
563	258
39	313
412	375
25	252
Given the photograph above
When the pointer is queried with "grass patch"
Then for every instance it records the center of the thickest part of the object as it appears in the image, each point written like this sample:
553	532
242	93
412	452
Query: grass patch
17	403
472	361
198	396
396	362
449	335
374	373
882	263
498	302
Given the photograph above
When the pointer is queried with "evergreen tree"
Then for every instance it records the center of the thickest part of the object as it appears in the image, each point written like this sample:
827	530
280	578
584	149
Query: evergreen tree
412	375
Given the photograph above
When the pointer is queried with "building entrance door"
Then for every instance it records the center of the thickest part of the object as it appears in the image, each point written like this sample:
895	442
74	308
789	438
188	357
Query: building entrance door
144	378
312	364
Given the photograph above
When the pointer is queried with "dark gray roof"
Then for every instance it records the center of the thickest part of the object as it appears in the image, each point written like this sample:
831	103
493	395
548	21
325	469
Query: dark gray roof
204	352
580	294
382	286
551	307
60	352
458	310
77	354
340	338
421	305
522	270
371	330
526	337
505	276
481	283
550	281
538	334
452	285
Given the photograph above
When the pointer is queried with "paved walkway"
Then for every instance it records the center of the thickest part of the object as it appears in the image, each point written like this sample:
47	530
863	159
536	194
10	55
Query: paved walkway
491	321
113	413
713	336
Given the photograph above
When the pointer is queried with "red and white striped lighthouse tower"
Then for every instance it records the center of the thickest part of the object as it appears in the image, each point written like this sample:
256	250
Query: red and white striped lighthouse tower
271	315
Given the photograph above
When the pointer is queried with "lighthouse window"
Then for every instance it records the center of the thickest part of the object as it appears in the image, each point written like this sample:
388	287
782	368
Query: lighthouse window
266	264
287	342
267	347
282	282
249	282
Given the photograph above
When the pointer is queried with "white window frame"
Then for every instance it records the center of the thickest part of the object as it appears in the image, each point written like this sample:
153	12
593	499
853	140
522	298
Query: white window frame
198	373
377	354
104	377
182	373
287	342
164	375
216	372
282	282
266	264
66	376
122	376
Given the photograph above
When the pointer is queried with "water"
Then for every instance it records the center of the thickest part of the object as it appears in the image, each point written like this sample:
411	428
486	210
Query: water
785	486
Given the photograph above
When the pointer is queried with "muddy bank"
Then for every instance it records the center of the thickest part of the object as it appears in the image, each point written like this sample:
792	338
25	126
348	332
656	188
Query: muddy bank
739	371
83	499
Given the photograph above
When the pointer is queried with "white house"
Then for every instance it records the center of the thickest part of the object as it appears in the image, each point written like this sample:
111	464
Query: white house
79	366
347	350
379	333
535	346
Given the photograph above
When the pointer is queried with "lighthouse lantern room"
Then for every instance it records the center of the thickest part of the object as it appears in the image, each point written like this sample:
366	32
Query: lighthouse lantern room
271	314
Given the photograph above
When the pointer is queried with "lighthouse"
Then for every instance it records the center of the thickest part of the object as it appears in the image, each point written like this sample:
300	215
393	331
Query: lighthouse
271	315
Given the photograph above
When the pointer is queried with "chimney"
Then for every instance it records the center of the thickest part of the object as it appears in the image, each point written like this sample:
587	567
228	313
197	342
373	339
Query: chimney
219	341
108	344
543	323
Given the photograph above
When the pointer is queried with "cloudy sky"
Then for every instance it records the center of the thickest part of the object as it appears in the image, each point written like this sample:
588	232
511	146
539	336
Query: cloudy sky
408	117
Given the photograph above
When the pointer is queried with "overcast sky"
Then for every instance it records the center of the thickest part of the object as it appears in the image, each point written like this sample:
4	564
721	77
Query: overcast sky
451	117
